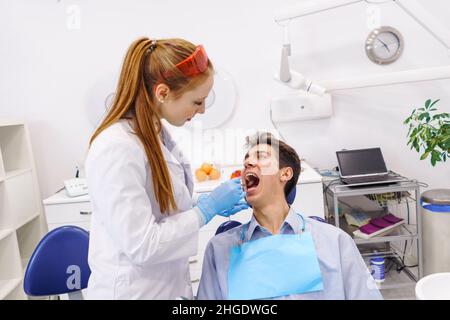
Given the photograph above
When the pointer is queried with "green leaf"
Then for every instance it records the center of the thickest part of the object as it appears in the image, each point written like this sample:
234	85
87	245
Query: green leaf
429	133
434	103
446	143
424	115
425	155
407	120
435	157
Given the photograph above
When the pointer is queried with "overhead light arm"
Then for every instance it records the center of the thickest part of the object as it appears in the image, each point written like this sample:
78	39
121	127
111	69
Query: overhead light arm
294	79
411	7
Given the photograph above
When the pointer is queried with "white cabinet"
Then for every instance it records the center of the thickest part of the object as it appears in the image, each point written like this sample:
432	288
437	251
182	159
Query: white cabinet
62	210
22	224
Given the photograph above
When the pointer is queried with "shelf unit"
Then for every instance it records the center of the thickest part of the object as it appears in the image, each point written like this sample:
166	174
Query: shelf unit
408	195
22	222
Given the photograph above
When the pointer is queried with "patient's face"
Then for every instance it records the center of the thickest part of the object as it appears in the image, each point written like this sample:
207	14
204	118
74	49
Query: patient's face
261	177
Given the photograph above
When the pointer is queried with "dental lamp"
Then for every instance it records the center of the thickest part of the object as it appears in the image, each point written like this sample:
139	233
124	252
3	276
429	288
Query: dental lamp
310	102
292	78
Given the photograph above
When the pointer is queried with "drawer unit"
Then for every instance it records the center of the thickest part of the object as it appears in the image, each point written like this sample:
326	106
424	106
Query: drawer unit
61	210
70	212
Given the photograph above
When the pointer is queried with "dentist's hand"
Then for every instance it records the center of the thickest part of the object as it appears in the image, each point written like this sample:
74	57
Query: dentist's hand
241	205
224	198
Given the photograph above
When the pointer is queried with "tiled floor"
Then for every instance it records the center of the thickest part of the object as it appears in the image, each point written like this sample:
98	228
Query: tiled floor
406	292
399	294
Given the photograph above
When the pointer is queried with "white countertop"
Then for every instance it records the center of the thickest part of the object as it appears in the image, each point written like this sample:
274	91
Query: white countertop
62	197
308	175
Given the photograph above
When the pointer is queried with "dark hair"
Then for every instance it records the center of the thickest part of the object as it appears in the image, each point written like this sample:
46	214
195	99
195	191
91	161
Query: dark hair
287	156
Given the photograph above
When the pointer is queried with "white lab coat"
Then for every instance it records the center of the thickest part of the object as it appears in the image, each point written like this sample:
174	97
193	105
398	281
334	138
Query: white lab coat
135	252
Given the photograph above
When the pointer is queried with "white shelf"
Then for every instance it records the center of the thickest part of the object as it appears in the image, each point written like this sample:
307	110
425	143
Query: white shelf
28	220
15	173
11	122
24	262
21	214
8	286
14	147
5	233
19	200
28	237
10	266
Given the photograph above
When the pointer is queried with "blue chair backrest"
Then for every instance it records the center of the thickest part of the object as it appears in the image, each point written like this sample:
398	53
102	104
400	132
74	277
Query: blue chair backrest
59	263
318	219
227	225
291	196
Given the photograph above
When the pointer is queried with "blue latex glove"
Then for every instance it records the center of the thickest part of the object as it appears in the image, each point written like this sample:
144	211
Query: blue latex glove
221	199
241	205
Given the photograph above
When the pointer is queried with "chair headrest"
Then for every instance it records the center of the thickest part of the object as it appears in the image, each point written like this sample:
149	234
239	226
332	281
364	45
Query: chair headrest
59	263
227	225
291	195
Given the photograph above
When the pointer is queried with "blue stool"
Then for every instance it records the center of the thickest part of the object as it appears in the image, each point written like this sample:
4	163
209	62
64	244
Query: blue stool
59	264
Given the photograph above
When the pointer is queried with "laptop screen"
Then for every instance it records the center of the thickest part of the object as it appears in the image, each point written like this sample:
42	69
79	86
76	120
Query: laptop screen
361	162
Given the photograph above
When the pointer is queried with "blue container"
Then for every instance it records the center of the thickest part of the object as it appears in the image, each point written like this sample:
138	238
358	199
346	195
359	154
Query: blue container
436	200
377	269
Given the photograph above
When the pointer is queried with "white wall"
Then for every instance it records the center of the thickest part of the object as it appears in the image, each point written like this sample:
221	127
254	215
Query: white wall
51	74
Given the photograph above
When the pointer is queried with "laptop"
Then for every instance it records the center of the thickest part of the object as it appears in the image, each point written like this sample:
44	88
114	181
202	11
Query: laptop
364	167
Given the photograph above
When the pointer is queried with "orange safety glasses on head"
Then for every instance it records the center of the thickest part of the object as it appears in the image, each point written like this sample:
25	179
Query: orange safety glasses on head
193	65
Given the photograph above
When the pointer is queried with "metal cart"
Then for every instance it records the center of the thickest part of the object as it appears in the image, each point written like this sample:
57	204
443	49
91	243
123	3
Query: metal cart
336	190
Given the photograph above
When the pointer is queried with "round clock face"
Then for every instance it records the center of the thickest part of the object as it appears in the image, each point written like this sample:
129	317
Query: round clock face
384	45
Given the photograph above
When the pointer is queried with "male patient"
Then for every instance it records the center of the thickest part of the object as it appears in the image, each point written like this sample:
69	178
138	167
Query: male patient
271	170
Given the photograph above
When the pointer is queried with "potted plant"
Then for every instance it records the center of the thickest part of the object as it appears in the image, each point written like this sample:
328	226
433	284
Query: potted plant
429	132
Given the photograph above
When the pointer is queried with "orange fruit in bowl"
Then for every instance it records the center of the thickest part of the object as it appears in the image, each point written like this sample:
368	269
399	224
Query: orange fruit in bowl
207	167
236	174
200	175
214	174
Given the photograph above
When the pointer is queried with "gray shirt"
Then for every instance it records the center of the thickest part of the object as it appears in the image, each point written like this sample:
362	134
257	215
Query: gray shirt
344	273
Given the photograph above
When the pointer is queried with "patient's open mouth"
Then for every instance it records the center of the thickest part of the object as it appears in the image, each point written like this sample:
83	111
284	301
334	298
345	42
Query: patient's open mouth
251	181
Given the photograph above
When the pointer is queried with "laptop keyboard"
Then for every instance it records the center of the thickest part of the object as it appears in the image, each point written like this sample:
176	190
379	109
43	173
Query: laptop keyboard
367	179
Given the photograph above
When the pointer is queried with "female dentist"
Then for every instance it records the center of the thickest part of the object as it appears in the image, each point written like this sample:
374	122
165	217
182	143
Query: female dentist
144	226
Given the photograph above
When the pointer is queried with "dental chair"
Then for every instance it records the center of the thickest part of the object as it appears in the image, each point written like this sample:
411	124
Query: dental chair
228	225
59	264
